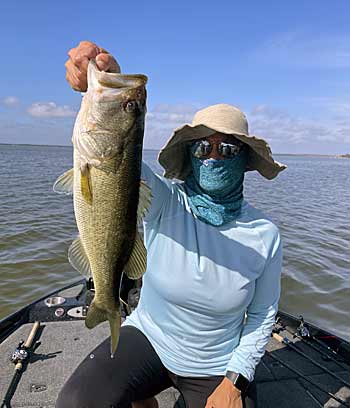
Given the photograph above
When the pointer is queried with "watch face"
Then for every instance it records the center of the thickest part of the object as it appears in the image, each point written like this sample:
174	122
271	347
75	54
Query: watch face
241	382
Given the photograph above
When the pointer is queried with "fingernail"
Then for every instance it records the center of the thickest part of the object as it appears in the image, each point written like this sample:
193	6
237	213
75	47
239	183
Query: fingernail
101	65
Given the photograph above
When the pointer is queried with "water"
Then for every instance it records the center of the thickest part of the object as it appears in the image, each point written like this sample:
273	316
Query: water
310	202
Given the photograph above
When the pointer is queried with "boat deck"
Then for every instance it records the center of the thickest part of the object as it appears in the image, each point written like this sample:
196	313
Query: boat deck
61	345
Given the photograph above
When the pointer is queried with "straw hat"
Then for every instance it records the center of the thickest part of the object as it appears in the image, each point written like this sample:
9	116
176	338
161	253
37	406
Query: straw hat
222	118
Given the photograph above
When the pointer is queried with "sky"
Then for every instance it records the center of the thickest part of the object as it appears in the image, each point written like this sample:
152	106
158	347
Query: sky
285	64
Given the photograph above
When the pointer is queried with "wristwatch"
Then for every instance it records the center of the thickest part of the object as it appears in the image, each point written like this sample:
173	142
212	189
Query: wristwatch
238	380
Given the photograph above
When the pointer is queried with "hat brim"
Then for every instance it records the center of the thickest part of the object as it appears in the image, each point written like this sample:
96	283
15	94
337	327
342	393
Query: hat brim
174	156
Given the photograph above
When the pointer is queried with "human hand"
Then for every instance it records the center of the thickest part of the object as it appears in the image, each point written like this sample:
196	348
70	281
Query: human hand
78	62
225	395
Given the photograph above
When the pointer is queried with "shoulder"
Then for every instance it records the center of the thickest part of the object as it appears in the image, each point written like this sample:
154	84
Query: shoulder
256	217
156	182
263	225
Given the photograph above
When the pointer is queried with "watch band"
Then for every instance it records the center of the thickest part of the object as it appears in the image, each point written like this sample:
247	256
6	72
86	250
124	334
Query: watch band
238	380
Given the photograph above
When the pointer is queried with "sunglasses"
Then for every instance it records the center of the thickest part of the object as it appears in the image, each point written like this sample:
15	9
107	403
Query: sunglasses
202	148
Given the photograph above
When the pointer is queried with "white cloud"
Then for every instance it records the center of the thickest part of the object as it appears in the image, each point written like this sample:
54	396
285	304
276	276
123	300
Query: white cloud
50	110
264	111
338	106
10	101
284	132
306	50
163	119
290	133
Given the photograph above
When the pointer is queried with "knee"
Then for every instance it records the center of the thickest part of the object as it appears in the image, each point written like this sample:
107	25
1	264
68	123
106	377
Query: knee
71	397
76	394
79	395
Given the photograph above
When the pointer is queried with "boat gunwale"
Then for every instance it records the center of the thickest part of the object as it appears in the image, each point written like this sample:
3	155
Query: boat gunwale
21	317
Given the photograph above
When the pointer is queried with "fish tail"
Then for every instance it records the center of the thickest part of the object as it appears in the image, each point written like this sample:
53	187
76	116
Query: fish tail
96	315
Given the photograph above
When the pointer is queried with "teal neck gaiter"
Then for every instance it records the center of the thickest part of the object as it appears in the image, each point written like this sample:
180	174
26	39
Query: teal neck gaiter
215	188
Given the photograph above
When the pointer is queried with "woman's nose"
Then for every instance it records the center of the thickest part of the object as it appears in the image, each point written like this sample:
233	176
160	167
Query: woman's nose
214	154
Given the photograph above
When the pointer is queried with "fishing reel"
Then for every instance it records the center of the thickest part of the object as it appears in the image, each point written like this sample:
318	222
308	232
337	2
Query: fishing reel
20	354
278	326
302	329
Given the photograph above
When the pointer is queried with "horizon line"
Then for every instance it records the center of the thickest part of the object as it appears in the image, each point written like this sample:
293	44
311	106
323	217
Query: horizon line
277	154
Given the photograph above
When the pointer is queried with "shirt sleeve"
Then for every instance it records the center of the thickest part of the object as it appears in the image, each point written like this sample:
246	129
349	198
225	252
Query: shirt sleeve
161	189
260	317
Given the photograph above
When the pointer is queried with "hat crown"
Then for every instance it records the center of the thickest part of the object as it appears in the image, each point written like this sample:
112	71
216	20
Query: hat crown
222	117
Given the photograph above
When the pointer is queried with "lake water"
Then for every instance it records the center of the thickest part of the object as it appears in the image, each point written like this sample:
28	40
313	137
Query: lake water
310	202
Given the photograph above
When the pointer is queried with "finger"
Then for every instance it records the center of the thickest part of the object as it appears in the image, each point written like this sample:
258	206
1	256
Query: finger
83	66
88	49
106	62
71	53
79	60
76	78
73	83
85	51
75	72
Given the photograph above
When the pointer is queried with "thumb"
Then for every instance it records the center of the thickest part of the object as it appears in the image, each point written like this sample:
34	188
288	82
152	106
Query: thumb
106	62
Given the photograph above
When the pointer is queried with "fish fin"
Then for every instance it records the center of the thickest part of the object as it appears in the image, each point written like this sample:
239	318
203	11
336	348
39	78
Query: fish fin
96	315
114	324
136	265
64	183
85	185
78	259
145	199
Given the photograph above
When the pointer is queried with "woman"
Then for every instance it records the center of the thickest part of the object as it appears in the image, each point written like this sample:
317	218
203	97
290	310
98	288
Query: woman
212	259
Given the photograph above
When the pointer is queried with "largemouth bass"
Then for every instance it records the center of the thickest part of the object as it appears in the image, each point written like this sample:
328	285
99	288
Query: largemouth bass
109	197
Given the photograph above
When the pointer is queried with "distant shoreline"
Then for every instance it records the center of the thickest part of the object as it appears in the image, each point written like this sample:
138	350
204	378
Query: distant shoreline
341	156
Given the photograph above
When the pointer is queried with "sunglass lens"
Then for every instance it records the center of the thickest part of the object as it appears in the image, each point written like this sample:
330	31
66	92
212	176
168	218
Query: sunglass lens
228	150
201	148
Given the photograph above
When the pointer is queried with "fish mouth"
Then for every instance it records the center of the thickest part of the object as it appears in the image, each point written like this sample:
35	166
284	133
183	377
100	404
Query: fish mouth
122	81
114	80
95	139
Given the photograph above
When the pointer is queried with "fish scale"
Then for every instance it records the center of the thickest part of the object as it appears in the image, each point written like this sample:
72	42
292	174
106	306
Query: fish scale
102	228
105	182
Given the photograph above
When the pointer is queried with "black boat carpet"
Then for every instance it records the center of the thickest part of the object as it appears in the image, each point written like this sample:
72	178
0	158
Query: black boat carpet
63	345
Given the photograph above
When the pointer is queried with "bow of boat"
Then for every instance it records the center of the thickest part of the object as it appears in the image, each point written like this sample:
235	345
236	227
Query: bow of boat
313	372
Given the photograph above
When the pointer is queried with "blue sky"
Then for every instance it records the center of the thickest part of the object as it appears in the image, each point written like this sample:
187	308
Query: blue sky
285	64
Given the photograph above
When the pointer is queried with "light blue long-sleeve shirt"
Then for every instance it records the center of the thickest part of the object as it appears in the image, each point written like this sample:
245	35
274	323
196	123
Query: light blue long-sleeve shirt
200	283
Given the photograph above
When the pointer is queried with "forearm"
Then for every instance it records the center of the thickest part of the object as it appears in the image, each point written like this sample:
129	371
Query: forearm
261	314
254	338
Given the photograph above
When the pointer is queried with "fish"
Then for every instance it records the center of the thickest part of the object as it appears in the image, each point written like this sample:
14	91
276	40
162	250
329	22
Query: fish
109	197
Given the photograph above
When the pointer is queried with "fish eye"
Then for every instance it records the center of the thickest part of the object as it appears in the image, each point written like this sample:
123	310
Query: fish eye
130	106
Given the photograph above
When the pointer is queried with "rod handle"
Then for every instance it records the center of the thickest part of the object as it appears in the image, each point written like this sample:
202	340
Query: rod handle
32	334
277	337
28	343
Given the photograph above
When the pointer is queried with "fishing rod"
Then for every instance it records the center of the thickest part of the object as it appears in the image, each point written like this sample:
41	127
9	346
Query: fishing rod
308	343
340	400
311	395
305	332
20	358
290	344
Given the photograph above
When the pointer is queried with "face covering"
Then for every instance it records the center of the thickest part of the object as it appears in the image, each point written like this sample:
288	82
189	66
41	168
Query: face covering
215	188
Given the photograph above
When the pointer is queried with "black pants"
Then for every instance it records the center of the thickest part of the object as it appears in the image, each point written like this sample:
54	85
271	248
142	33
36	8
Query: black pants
135	373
